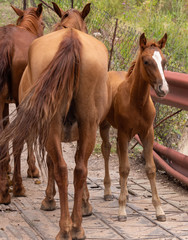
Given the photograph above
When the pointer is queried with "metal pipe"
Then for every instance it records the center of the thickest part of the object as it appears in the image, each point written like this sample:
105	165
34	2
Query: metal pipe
178	168
113	39
178	90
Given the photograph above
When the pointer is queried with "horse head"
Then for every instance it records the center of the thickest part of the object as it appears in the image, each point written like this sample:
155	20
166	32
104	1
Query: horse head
72	18
31	19
153	63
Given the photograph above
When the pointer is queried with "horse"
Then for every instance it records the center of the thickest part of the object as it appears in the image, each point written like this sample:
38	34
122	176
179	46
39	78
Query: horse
66	80
71	18
14	44
76	18
132	112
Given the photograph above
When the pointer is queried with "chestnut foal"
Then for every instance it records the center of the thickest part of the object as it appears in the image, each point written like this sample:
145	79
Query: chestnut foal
132	112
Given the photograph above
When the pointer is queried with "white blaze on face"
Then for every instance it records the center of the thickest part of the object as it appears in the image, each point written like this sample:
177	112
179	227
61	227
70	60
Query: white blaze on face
157	57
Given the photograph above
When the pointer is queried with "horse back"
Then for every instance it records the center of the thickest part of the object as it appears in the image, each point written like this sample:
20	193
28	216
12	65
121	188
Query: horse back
93	67
14	45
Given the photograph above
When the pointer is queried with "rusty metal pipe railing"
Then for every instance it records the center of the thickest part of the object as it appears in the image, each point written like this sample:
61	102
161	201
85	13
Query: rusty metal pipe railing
178	168
178	90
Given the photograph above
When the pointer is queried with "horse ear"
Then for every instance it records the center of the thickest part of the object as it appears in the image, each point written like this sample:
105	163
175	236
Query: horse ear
143	41
163	40
86	10
18	11
57	10
39	10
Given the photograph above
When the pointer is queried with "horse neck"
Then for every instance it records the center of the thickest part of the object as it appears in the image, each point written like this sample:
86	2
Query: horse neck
31	24
140	88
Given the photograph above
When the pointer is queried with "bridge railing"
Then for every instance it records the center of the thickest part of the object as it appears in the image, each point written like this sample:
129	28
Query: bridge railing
177	165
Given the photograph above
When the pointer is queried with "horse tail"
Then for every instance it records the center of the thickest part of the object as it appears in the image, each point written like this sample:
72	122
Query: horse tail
6	48
52	92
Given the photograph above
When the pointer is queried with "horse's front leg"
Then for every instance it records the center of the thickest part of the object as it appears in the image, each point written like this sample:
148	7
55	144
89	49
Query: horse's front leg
124	168
53	147
151	172
4	184
86	206
105	149
85	146
32	171
49	204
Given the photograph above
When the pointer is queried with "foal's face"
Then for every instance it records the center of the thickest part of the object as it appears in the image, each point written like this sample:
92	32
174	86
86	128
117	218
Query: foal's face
153	62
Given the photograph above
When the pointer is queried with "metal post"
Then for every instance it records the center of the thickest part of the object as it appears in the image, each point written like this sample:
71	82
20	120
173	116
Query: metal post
24	4
111	51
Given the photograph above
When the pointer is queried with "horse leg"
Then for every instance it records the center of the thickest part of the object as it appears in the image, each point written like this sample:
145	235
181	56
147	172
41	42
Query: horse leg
53	147
85	146
105	149
151	173
4	185
5	123
32	171
86	206
124	168
49	204
18	188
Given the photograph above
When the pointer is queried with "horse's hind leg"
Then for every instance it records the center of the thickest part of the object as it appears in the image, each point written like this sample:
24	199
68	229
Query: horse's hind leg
4	184
53	147
85	146
18	188
151	173
105	149
48	204
124	168
32	171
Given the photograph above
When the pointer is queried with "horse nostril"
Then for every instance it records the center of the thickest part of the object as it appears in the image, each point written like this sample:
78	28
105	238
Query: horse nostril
160	88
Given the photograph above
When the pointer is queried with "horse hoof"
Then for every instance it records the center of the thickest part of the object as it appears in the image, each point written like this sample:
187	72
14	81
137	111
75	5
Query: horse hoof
19	192
48	205
33	173
161	218
86	210
61	236
108	197
5	199
78	234
122	218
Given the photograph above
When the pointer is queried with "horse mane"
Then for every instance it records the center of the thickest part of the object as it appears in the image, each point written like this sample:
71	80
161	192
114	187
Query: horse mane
151	43
30	22
130	70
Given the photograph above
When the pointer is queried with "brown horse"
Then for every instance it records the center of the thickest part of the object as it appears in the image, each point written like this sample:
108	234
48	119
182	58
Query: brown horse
14	44
74	18
132	112
71	18
64	82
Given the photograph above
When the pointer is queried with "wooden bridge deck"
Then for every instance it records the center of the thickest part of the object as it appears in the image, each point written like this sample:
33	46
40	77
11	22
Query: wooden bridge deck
23	219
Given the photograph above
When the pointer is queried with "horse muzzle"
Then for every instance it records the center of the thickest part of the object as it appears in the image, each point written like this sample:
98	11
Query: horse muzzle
160	90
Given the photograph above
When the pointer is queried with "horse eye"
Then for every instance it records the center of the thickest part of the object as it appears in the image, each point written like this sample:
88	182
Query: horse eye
145	62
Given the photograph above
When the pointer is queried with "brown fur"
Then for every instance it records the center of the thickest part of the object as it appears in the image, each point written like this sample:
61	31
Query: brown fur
14	45
58	83
132	112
